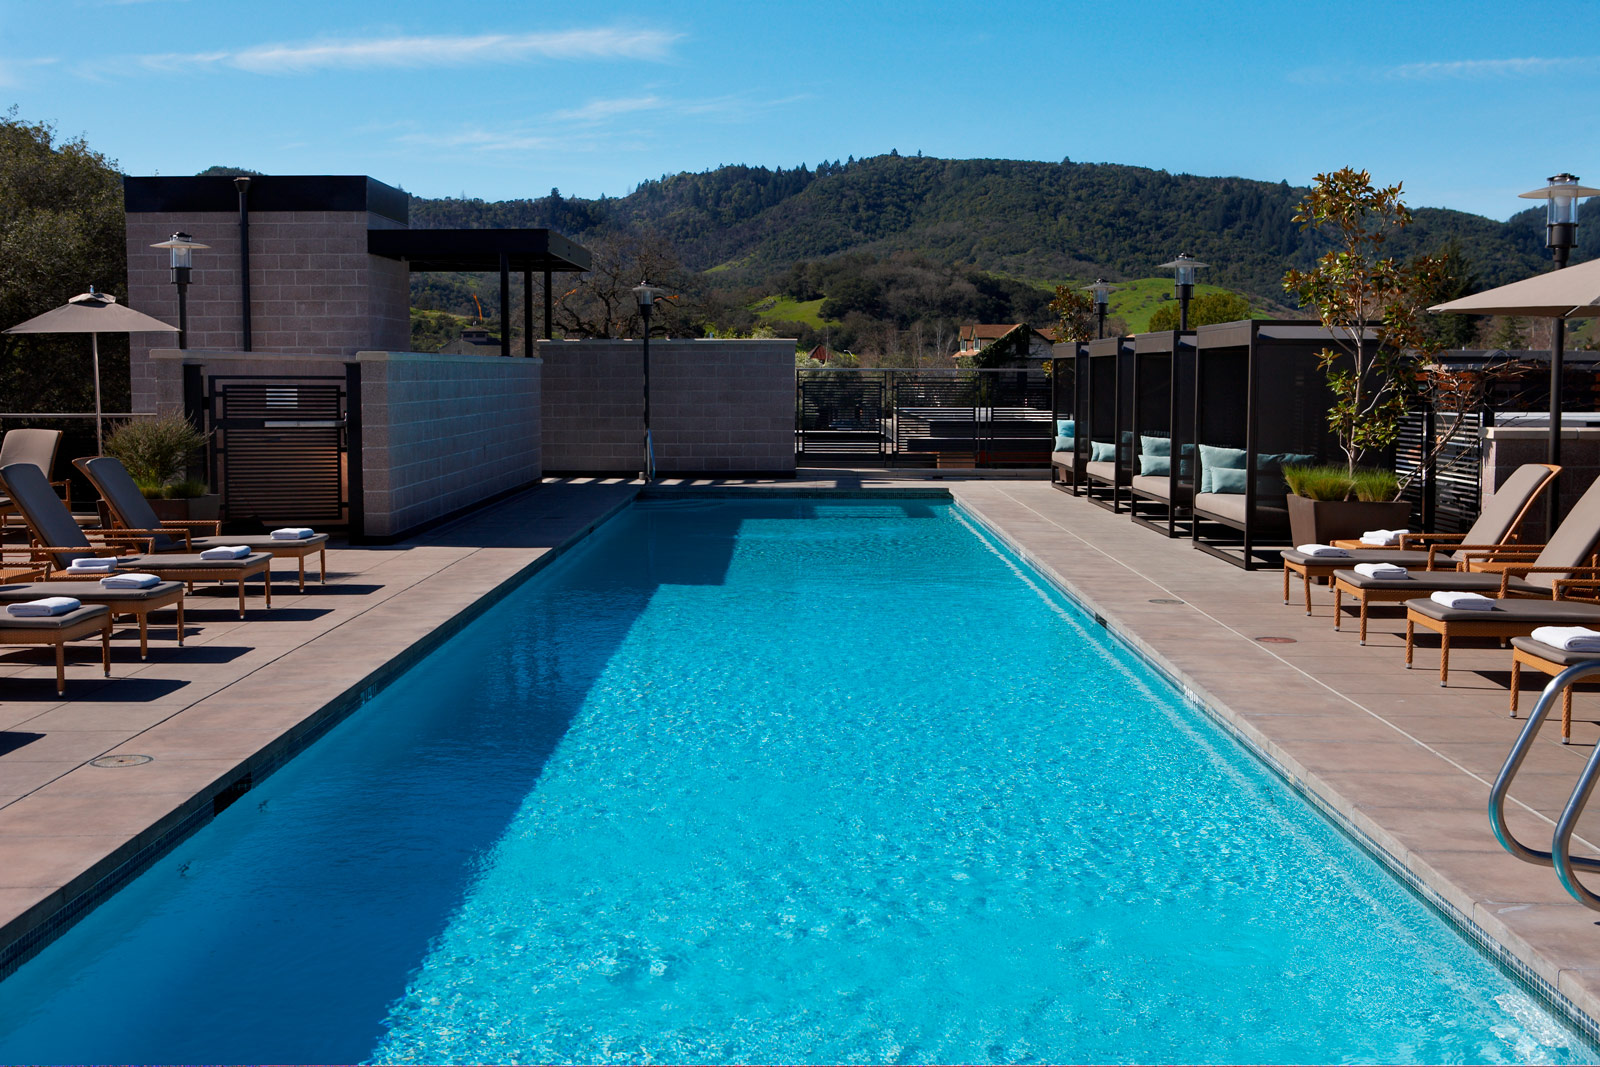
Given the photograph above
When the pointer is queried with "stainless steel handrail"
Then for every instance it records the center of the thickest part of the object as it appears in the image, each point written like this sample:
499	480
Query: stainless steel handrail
1565	862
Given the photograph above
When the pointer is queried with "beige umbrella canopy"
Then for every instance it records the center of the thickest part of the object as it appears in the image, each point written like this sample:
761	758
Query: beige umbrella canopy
94	314
1569	293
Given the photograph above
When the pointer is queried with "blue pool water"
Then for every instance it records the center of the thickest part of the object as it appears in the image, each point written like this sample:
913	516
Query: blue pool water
773	781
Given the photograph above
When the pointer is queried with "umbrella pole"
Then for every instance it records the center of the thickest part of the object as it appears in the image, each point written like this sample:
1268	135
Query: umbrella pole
99	436
1552	502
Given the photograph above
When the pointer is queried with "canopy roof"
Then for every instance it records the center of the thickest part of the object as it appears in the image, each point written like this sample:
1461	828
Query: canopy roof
92	312
480	250
1571	293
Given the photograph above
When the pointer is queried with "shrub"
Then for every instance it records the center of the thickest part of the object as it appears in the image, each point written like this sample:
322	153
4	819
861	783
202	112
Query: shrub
1336	482
1375	483
155	450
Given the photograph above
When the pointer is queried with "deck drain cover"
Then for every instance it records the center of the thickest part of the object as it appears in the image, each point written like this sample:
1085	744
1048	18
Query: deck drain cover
128	760
1276	640
1165	600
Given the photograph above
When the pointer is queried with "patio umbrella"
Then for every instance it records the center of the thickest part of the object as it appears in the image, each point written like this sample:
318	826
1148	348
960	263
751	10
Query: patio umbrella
94	314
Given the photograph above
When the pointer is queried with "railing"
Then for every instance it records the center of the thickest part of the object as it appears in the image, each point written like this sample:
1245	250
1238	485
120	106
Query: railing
927	418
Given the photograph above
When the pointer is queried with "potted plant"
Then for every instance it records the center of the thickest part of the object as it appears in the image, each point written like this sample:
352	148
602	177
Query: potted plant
1327	503
156	452
1378	367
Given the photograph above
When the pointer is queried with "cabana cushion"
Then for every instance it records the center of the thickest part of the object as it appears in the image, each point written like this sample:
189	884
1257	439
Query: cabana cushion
1064	443
1149	464
1155	446
1102	452
1228	480
1213	459
1065	427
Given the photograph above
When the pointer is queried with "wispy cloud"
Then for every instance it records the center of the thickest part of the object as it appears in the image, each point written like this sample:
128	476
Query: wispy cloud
1525	67
732	106
599	110
11	70
422	52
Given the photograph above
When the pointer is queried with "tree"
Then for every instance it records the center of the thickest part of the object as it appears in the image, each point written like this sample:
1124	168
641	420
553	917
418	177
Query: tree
602	304
1455	279
1204	310
1075	315
1372	304
1510	332
61	231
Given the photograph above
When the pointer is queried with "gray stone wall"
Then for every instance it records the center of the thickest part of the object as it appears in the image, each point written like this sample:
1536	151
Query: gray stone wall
1508	447
439	433
716	407
314	289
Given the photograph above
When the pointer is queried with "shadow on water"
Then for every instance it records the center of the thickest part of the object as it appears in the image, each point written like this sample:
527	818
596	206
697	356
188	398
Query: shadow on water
320	892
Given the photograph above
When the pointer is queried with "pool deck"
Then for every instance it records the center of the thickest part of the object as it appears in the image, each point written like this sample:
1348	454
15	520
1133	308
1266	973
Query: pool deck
1404	764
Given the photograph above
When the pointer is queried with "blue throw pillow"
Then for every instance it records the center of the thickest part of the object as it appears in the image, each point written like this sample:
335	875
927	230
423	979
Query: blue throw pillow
1064	444
1155	446
1212	459
1102	452
1160	466
1227	479
1269	465
1065	427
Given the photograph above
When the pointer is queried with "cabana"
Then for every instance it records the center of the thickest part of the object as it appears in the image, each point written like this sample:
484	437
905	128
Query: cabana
1066	375
1160	490
1260	400
1108	411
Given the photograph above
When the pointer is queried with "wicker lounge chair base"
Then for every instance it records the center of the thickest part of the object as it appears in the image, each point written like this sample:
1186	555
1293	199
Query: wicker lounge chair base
1507	619
138	603
58	630
192	569
1525	651
1320	567
1367	591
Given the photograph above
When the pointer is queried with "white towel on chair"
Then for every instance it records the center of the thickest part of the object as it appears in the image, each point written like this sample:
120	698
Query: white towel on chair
93	564
1459	599
1322	550
226	552
293	533
1381	570
50	605
130	581
1569	638
1382	538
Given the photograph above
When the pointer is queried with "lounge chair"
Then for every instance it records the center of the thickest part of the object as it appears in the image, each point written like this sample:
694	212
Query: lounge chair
138	603
38	447
1476	550
132	512
58	630
61	540
1530	594
1526	651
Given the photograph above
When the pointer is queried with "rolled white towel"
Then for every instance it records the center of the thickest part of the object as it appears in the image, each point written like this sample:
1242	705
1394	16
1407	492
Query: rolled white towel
293	533
1322	550
50	605
1382	538
130	581
1569	638
226	552
1458	599
1381	570
93	564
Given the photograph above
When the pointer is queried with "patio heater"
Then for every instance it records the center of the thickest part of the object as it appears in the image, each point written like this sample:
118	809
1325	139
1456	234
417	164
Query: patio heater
1183	269
647	295
1561	194
1102	291
182	247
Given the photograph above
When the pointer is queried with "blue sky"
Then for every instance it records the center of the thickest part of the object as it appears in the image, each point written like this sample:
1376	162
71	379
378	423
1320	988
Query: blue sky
1467	103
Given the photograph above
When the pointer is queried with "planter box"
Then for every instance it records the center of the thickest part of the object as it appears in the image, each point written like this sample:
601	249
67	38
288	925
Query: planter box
199	507
1322	522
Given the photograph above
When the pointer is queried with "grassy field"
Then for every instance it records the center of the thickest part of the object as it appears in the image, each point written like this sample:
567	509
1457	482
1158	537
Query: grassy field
1138	299
787	309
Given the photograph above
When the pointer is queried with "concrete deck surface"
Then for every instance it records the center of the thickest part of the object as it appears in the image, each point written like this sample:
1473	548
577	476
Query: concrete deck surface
1404	764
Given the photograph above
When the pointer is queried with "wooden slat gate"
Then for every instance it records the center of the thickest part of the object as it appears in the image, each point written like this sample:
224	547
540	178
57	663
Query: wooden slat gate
278	449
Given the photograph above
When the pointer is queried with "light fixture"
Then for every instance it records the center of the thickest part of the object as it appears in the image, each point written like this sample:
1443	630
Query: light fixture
1102	291
647	295
1561	194
1183	269
182	247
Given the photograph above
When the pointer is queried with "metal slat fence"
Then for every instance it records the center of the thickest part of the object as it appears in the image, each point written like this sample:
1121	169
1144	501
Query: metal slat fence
959	418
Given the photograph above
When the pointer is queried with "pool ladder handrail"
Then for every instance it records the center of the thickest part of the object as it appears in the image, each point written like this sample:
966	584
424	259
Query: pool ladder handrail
1560	855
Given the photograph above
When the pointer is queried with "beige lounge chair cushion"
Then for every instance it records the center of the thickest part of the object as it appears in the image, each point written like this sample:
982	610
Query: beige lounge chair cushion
1104	471
1230	508
1514	612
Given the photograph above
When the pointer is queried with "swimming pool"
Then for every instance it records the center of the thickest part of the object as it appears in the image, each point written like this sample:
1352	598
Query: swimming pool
773	781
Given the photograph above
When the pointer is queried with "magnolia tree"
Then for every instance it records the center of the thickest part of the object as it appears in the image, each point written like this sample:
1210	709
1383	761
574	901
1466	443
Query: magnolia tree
1374	305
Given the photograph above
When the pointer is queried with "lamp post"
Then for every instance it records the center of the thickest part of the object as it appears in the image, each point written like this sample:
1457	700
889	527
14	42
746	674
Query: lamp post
1561	194
182	247
647	295
1102	291
1183	269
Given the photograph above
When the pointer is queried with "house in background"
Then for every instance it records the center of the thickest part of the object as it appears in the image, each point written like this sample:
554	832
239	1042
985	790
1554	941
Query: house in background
1026	343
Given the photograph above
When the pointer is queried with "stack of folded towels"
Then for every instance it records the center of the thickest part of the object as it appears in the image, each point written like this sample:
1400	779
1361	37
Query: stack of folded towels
130	581
1381	570
92	565
1322	550
1458	599
1382	538
50	605
226	552
1569	638
293	533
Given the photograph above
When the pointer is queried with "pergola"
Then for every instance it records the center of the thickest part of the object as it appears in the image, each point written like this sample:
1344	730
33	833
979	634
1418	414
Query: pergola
528	251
